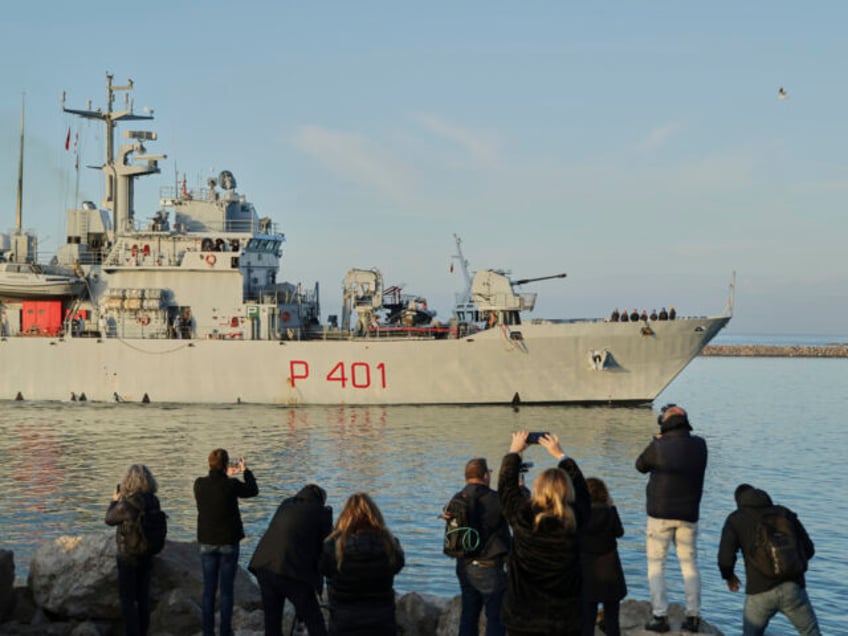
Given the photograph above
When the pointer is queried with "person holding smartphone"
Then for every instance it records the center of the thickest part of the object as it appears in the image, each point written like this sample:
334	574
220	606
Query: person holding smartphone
543	568
135	493
219	531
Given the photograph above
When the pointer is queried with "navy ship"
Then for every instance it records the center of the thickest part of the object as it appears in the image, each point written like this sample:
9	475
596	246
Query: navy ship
189	308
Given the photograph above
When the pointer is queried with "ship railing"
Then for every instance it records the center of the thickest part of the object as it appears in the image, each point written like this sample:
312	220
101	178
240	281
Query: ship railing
90	258
185	223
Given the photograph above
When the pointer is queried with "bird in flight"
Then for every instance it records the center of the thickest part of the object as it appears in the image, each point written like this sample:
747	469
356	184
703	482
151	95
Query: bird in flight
781	94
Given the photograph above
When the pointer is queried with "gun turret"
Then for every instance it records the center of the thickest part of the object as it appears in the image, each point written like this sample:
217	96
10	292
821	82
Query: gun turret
534	280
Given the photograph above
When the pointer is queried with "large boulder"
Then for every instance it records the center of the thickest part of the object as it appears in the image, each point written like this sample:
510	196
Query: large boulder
178	567
418	614
449	619
7	583
77	577
634	614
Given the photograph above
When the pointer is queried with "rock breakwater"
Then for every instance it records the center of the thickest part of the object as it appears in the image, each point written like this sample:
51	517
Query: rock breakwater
778	351
72	590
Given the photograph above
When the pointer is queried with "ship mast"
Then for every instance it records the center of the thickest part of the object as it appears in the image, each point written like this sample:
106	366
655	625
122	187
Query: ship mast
24	245
20	202
465	296
119	206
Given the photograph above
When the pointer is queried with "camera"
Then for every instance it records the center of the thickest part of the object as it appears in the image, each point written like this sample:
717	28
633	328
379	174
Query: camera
533	438
525	466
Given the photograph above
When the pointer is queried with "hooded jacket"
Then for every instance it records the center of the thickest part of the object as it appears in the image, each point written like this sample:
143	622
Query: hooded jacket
291	546
676	461
739	533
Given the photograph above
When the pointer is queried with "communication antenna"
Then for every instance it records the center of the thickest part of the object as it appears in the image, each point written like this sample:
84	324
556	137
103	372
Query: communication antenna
20	201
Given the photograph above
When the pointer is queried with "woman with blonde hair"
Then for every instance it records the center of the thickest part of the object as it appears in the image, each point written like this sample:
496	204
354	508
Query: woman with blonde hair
135	494
360	559
543	568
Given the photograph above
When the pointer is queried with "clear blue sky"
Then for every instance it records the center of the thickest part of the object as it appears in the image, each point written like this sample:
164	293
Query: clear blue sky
640	147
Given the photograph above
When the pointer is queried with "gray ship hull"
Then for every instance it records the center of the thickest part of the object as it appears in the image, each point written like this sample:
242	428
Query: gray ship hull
542	362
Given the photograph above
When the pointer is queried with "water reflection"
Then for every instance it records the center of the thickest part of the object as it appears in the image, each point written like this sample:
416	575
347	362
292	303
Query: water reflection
66	459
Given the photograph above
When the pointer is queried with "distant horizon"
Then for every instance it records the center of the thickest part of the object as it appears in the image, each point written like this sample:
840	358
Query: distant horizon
783	338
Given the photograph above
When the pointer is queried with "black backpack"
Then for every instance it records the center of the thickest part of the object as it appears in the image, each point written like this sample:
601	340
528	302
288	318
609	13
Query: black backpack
462	534
777	551
144	535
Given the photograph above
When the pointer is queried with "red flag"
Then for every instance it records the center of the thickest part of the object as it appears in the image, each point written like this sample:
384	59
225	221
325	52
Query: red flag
68	140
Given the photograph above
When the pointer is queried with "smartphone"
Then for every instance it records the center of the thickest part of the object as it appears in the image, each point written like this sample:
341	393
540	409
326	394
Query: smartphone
118	487
533	438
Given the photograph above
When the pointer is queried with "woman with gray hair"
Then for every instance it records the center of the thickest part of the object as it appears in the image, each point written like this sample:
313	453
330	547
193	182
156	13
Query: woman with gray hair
134	495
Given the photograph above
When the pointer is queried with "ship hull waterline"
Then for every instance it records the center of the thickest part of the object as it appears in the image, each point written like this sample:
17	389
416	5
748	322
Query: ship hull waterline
545	363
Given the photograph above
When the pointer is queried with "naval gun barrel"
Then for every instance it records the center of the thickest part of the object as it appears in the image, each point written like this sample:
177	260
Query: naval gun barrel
533	280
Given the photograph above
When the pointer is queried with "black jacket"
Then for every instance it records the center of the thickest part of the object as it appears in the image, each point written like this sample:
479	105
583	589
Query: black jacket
677	462
292	544
739	533
603	576
543	567
362	599
493	528
121	513
218	516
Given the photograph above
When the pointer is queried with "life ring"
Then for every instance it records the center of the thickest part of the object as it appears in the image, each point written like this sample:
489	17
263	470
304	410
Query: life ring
144	320
285	316
211	260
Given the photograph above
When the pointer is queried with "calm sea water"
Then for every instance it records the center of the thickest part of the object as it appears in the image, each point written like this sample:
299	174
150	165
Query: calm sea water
777	423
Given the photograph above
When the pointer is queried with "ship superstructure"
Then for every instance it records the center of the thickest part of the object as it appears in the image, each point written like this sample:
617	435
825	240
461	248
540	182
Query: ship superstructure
188	308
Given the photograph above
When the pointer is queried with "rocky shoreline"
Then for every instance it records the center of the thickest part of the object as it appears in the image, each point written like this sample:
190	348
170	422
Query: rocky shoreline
778	351
72	590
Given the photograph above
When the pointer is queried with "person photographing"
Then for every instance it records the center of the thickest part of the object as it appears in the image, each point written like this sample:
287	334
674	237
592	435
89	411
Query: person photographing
543	568
219	531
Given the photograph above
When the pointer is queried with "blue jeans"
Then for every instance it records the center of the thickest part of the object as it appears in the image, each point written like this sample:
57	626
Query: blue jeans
134	590
219	561
789	598
660	534
481	587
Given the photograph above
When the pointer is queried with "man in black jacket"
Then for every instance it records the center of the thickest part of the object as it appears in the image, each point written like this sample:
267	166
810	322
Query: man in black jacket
482	579
676	461
286	560
219	530
766	594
